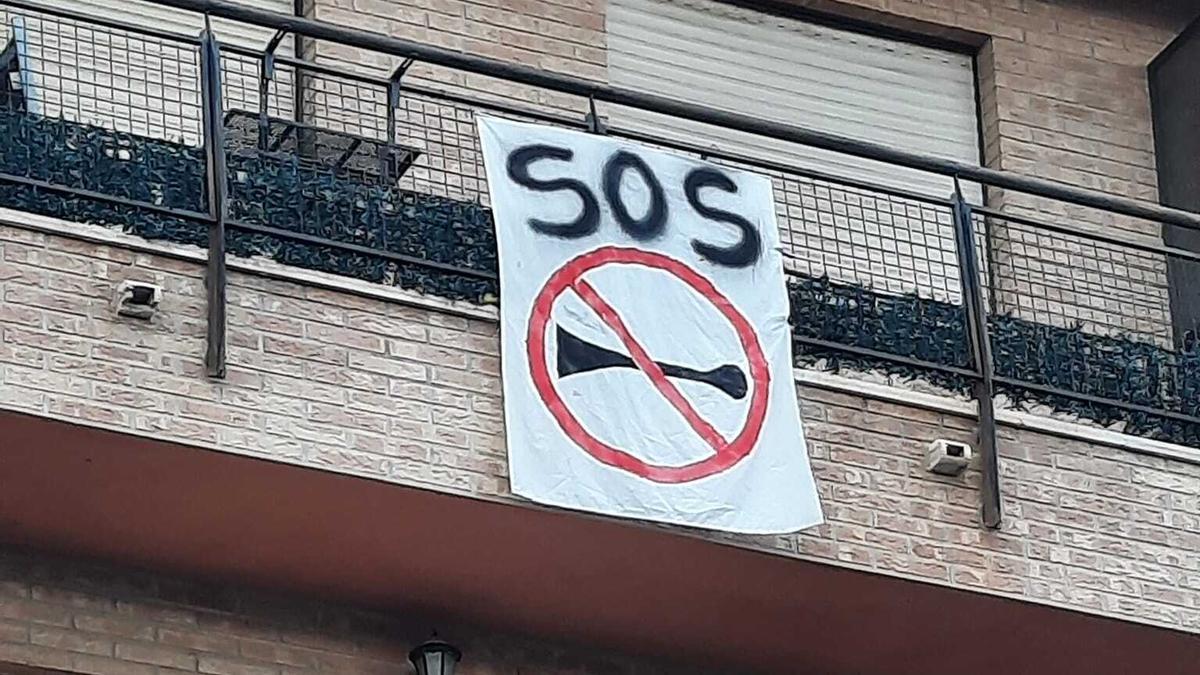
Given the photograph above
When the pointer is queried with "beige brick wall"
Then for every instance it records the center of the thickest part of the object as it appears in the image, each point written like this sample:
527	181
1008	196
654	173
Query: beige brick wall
565	36
1071	100
93	619
410	395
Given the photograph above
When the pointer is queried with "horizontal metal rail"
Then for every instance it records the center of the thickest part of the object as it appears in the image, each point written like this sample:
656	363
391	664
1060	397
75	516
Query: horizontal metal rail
567	84
1089	235
349	247
971	375
201	217
769	165
186	214
565	121
305	66
1099	400
885	356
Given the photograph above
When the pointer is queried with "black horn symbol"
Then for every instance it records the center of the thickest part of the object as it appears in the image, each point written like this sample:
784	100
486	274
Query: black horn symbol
576	355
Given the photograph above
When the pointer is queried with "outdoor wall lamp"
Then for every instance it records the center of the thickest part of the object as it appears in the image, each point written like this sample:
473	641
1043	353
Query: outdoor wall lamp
435	657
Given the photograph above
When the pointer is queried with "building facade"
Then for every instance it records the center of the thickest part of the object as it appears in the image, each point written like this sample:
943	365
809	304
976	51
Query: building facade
295	461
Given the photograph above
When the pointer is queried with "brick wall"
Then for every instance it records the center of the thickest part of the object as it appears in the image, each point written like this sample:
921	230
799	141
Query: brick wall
411	395
99	620
564	36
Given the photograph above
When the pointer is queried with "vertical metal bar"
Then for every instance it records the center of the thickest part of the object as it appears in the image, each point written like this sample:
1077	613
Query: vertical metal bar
300	9
981	357
989	243
595	124
387	151
265	71
214	147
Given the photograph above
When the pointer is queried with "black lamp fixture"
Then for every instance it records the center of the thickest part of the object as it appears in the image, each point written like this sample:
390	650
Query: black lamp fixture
435	657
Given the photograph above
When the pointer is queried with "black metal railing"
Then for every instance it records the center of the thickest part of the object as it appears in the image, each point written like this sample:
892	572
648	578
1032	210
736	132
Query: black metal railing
1050	297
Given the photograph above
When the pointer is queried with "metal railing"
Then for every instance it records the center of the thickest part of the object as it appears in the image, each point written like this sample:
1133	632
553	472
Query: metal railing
1050	296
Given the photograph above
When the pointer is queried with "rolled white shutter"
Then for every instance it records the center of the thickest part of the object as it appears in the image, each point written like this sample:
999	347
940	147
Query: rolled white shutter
782	69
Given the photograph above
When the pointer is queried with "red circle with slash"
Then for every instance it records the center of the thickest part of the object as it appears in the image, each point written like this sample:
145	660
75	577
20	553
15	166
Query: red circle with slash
571	276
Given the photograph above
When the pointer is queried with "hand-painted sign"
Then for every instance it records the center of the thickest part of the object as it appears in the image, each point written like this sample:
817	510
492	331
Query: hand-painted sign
645	345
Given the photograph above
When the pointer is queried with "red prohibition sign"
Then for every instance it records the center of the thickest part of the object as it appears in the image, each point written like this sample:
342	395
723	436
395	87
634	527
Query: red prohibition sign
571	275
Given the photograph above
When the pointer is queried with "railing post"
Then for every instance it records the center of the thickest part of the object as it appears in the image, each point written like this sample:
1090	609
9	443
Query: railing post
214	153
266	73
596	125
393	102
981	356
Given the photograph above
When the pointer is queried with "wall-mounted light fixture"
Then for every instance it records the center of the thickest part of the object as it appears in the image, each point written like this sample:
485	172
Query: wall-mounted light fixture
435	657
138	299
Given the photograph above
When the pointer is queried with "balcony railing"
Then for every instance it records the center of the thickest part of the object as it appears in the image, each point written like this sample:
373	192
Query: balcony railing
1049	298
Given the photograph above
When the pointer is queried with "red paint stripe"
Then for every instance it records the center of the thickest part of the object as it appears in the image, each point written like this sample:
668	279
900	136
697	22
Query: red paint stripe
647	365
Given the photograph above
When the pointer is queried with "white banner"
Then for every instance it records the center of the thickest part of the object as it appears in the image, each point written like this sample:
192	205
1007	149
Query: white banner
646	353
